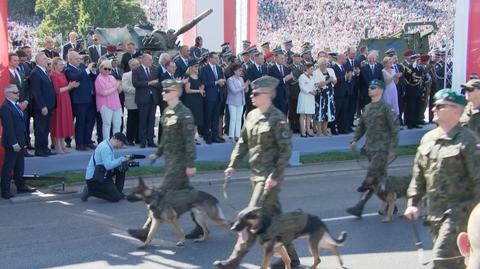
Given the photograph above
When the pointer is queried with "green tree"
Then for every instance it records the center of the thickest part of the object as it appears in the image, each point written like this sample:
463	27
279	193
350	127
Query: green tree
63	16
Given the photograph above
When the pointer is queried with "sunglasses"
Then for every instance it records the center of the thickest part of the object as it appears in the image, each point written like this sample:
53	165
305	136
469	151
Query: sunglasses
15	92
169	90
440	106
372	88
107	69
255	94
468	89
95	39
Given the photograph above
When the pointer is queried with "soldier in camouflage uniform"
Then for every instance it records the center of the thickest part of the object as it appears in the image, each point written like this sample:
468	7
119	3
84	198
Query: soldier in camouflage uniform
267	138
447	170
380	124
178	139
471	115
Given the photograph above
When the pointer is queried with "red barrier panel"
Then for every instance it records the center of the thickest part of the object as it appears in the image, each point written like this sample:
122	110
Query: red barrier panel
473	46
4	75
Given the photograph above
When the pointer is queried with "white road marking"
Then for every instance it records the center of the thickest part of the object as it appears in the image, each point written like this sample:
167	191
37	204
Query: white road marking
349	217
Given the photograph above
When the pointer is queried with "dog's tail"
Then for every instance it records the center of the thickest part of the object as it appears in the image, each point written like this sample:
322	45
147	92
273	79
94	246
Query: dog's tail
327	238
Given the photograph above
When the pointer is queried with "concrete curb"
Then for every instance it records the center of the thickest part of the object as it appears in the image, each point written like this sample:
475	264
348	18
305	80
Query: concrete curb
46	194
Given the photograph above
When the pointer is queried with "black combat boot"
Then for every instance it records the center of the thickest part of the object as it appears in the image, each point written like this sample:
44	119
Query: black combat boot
227	264
357	210
197	232
140	234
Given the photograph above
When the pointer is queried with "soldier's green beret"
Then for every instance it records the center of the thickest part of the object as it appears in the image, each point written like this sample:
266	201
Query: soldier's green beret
170	83
265	82
473	83
377	84
451	96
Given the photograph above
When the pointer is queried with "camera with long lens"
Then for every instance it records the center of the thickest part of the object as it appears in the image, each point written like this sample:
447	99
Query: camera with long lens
129	162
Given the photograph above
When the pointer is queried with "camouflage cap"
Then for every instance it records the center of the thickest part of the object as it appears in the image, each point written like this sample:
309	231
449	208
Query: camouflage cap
473	83
450	96
377	84
171	83
267	82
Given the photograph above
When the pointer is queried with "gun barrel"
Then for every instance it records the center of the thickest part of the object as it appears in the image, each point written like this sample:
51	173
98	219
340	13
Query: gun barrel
196	20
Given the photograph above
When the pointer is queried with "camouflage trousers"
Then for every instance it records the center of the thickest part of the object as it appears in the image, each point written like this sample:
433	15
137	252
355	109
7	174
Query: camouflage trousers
271	206
444	236
378	162
175	177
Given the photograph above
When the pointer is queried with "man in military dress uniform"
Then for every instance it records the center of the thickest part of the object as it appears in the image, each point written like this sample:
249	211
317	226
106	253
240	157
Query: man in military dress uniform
447	170
413	74
287	45
267	138
472	93
380	124
294	89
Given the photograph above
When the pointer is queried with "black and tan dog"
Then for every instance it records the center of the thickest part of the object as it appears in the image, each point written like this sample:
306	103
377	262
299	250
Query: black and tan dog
278	230
388	189
169	207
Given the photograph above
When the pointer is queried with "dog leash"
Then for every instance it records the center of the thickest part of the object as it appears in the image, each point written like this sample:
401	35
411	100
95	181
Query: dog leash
225	192
357	158
418	243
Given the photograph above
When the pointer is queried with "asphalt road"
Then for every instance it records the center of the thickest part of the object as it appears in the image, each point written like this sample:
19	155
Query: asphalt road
67	233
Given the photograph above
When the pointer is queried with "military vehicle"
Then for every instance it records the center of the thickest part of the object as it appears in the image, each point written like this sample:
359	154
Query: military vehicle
402	40
146	38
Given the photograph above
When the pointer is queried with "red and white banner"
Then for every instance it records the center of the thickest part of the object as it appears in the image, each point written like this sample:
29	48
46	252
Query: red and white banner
466	55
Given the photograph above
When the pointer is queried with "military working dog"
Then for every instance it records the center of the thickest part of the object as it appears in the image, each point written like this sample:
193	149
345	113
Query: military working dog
388	189
275	231
169	207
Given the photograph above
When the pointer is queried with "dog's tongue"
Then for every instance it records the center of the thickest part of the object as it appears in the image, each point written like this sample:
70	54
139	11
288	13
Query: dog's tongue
243	236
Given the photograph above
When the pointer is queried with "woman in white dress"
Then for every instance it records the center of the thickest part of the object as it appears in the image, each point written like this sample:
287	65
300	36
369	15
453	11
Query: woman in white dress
390	94
306	100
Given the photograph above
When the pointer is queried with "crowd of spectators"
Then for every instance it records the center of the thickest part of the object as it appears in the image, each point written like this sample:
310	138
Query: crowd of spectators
21	29
341	24
156	12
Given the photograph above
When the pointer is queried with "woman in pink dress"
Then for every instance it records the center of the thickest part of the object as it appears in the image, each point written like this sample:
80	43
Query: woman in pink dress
61	123
390	95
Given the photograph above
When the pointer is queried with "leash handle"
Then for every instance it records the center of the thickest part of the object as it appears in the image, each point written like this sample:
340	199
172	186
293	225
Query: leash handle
225	187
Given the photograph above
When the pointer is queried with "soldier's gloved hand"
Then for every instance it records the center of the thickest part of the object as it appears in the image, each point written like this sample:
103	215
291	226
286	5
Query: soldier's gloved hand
229	172
152	157
411	213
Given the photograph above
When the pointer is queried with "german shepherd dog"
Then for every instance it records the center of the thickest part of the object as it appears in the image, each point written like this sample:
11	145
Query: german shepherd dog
388	190
203	206
275	231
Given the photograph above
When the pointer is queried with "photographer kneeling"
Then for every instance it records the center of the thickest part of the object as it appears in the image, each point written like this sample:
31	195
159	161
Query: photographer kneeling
102	167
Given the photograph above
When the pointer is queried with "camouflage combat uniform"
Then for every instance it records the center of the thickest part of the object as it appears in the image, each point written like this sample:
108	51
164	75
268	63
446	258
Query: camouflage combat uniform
177	145
267	138
447	170
380	125
471	118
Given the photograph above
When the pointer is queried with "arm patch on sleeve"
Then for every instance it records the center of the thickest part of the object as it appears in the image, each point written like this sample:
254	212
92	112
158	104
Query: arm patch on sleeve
284	129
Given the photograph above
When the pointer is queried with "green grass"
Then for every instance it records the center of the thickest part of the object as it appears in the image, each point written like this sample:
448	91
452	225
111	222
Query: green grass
78	176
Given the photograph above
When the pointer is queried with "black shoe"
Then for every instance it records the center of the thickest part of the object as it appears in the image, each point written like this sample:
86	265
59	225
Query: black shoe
7	195
41	154
302	135
85	194
152	145
280	265
418	127
91	146
52	146
218	140
25	189
26	154
208	141
196	233
140	234
81	148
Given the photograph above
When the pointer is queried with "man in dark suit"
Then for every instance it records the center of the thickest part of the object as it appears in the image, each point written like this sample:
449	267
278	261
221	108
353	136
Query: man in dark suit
72	44
83	99
14	143
22	85
212	77
130	53
96	50
147	94
351	65
25	70
368	72
44	101
288	45
294	89
280	71
254	71
182	62
49	48
341	94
